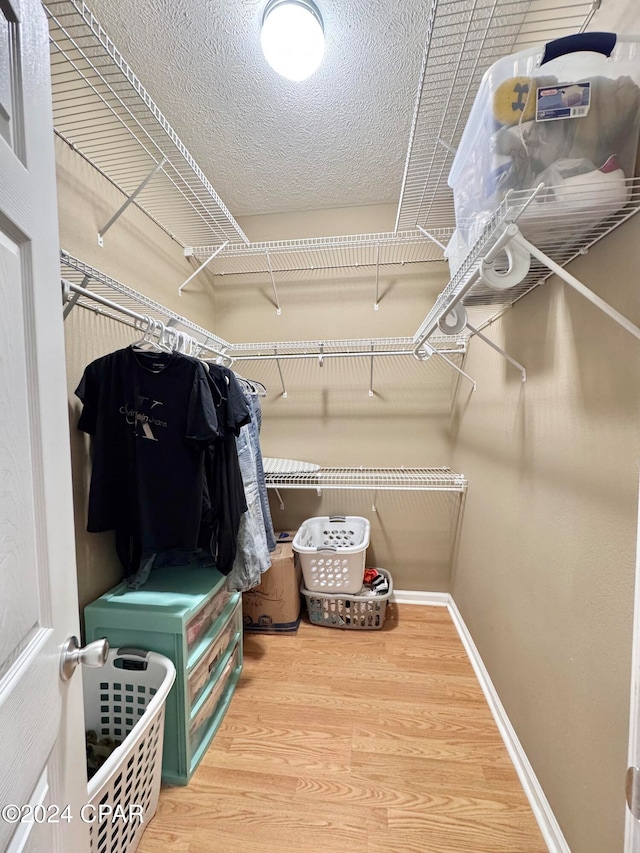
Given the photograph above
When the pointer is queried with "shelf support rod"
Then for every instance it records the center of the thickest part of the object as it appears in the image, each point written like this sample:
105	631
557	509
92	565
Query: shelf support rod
376	304
455	367
75	295
284	390
128	201
448	147
201	267
571	280
279	496
429	351
371	378
273	285
431	237
505	355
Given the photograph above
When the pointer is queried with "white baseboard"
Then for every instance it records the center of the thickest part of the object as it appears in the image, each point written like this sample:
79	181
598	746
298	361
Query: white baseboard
416	596
549	826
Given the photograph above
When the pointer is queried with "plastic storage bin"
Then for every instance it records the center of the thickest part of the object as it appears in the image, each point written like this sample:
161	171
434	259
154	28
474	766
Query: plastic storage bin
354	612
332	552
186	614
566	114
125	700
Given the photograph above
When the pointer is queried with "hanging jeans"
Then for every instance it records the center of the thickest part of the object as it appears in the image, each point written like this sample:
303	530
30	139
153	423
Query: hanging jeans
252	555
253	402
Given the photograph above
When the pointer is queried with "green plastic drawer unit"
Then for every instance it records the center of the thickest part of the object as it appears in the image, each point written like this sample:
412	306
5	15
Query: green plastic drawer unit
186	614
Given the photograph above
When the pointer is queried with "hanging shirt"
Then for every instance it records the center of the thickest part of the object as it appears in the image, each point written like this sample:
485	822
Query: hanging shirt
151	415
224	478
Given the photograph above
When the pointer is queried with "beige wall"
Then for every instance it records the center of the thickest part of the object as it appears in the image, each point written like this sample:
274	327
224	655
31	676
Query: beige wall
142	256
328	416
545	573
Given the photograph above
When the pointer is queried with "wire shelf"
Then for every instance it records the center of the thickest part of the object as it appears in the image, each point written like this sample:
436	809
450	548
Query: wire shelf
326	253
101	110
80	273
465	37
77	272
353	346
563	230
380	479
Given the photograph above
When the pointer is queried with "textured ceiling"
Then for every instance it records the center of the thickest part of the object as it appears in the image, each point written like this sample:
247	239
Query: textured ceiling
265	143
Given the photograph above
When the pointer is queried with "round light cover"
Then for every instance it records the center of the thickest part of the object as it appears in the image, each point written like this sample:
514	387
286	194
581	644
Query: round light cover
292	38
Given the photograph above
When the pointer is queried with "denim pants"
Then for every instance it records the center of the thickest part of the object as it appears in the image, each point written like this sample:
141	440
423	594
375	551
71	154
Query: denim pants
253	401
252	555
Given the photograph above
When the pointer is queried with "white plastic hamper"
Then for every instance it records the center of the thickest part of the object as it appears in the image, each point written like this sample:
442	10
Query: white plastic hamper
332	552
125	700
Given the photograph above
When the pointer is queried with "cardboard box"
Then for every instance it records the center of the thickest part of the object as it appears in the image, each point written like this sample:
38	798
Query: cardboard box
274	606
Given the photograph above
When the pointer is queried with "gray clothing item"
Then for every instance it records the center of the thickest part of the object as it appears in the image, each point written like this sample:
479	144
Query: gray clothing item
252	554
253	401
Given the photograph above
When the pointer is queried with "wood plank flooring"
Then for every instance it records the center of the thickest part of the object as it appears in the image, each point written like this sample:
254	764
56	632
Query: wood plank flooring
366	742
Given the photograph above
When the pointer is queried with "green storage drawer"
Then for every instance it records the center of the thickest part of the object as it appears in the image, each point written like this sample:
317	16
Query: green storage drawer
186	614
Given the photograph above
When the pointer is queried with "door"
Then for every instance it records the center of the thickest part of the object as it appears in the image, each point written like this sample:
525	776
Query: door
42	760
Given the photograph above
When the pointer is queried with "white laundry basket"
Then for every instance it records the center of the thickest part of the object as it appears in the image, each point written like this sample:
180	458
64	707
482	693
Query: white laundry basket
125	700
332	552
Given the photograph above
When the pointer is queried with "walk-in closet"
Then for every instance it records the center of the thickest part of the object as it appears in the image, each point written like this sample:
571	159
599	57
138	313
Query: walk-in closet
283	318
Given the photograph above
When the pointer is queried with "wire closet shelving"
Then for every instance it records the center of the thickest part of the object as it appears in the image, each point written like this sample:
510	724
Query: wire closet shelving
103	112
93	281
118	302
464	38
379	479
552	238
86	287
326	253
101	109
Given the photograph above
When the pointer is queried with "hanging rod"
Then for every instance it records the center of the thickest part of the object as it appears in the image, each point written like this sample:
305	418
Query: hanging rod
320	356
72	292
78	272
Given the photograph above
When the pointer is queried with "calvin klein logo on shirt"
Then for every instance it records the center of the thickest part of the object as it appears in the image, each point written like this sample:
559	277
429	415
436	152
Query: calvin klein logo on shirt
142	421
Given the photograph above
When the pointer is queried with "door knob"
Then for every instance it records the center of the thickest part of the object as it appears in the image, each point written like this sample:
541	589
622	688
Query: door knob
93	654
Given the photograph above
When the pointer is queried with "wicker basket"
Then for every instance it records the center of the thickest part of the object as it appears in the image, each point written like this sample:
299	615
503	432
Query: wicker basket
355	612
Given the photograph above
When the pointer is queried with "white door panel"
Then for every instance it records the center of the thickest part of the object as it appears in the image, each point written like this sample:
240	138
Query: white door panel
19	606
41	719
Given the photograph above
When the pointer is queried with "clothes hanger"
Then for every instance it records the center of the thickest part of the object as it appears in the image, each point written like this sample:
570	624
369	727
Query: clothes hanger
163	344
260	389
146	343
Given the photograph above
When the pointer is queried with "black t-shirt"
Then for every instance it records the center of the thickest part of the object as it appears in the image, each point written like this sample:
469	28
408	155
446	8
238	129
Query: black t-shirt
151	415
223	474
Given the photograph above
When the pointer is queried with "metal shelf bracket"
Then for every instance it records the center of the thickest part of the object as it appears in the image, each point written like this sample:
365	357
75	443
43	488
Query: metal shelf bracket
371	392
128	201
431	237
201	267
70	297
577	285
424	351
284	389
273	285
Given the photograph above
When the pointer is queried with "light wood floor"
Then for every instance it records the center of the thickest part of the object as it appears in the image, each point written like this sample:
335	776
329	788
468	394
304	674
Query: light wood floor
357	742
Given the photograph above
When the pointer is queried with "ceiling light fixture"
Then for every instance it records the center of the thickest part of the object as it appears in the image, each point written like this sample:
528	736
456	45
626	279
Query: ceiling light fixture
292	37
